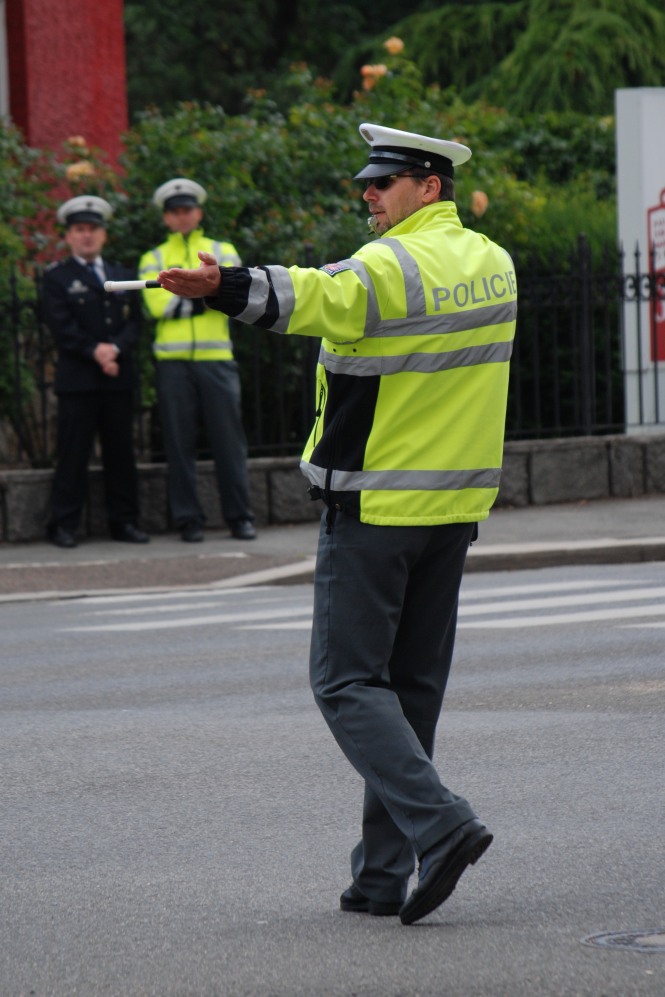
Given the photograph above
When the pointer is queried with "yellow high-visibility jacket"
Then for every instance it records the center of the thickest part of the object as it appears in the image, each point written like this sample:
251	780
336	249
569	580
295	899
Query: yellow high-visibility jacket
417	330
185	329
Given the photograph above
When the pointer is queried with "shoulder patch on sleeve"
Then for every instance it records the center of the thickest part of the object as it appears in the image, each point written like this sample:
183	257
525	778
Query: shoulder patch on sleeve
332	268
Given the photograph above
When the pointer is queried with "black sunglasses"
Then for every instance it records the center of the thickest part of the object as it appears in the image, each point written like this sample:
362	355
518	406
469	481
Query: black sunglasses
383	183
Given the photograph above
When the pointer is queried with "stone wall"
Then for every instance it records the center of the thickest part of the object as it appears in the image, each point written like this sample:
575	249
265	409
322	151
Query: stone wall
537	472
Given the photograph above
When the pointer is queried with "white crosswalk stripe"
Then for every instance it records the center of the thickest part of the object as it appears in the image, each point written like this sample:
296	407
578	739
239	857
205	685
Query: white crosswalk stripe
269	608
589	616
485	609
634	603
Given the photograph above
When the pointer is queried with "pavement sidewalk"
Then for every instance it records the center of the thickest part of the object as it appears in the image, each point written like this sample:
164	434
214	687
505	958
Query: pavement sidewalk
599	532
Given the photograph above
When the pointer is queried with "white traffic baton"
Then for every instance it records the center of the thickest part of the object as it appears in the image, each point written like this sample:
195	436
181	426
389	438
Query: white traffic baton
129	285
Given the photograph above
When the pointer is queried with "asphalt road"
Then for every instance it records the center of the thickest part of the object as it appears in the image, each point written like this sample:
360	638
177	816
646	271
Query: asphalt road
176	818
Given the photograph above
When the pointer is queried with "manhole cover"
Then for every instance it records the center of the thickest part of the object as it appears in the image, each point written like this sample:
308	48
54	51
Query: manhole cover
635	941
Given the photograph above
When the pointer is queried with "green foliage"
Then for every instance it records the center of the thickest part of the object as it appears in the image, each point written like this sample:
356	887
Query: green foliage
524	55
214	54
206	54
454	45
574	54
25	180
274	181
527	55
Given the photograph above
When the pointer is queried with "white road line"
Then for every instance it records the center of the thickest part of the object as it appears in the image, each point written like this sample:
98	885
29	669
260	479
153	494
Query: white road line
220	603
295	625
559	601
568	586
557	619
192	593
18	565
274	594
190	621
650	626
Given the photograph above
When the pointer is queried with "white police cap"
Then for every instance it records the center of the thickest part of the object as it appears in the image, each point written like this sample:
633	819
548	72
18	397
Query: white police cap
394	151
84	208
179	192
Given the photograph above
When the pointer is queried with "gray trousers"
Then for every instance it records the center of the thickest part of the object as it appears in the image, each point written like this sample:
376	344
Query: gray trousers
385	613
186	391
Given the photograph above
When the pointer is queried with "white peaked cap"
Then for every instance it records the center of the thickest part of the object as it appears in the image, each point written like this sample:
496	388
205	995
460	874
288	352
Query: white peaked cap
179	192
84	208
394	151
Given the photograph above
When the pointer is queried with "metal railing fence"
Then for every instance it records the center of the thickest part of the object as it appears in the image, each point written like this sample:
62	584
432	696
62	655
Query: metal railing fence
566	374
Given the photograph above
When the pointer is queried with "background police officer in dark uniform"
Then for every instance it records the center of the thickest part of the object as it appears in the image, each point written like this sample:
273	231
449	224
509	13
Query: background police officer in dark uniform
95	334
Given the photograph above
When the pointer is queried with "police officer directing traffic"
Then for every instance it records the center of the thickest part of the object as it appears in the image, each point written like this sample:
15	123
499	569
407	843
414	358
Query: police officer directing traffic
196	374
406	454
95	334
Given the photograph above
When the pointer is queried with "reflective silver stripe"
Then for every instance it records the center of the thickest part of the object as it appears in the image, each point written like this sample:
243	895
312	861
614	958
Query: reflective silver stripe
438	325
225	259
159	263
420	363
175	302
414	481
286	299
415	291
211	344
257	300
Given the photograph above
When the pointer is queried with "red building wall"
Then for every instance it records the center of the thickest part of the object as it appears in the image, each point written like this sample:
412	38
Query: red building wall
66	62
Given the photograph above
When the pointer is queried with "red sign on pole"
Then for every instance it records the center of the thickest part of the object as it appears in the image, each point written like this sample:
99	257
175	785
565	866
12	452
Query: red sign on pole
656	223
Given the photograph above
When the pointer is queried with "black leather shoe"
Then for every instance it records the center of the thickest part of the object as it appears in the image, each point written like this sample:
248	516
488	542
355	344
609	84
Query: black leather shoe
442	866
355	901
243	529
62	538
191	533
130	534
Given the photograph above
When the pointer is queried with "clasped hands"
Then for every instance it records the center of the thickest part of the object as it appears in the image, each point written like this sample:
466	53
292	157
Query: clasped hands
106	356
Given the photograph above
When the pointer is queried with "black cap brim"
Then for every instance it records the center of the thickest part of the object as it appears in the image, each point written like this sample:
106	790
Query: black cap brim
180	201
384	169
384	160
91	217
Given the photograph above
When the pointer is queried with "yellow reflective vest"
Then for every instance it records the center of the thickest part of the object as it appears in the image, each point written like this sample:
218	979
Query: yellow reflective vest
181	333
417	330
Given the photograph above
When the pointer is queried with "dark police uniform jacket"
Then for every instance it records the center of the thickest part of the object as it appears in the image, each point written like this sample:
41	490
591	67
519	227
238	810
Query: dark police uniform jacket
81	314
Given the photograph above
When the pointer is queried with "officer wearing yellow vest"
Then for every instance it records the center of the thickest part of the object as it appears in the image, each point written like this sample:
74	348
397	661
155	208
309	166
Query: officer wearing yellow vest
195	371
406	453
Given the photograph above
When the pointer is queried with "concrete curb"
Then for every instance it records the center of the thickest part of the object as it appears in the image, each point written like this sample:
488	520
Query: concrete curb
514	557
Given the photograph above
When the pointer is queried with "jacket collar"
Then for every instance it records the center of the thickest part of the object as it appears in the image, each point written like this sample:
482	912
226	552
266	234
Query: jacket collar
431	214
196	233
